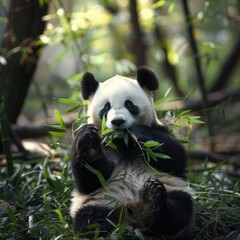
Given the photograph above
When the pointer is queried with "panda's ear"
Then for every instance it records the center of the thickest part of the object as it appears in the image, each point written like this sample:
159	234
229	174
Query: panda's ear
89	85
147	78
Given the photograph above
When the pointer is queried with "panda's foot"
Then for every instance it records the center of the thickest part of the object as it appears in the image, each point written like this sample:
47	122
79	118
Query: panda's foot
154	192
87	143
152	199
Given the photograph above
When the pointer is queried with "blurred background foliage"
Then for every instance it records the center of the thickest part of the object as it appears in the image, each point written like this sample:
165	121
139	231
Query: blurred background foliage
113	37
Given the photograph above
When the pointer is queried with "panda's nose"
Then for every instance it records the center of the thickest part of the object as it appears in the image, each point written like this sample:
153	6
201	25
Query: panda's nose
118	122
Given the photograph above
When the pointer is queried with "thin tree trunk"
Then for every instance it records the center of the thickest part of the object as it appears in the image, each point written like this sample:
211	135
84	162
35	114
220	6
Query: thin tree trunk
24	26
227	68
139	46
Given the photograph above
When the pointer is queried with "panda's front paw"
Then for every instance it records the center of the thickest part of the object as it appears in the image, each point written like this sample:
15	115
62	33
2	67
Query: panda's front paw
87	143
156	193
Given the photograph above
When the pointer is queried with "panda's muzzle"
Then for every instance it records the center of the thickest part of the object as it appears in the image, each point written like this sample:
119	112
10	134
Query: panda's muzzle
118	122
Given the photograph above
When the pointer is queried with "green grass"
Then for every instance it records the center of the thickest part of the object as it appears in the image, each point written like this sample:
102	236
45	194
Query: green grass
39	195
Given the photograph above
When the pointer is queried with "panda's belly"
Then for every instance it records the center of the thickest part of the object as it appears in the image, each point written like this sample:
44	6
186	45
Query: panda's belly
125	183
123	186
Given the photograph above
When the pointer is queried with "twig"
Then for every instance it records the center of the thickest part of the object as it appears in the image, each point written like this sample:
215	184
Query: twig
209	156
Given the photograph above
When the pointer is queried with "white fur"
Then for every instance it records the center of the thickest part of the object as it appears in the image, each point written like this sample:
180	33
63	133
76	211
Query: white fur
117	90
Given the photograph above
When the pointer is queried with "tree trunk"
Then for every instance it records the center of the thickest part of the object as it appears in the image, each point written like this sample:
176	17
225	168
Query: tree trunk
24	26
139	46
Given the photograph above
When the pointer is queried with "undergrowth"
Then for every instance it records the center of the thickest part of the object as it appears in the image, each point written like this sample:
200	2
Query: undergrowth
39	198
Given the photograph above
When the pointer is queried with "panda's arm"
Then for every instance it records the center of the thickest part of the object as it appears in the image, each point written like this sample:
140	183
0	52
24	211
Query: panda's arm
88	160
170	147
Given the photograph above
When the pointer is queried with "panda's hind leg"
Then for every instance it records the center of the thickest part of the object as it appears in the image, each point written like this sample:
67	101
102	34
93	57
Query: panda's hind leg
89	219
160	211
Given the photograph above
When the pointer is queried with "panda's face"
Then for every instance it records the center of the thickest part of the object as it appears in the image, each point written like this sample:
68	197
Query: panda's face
123	103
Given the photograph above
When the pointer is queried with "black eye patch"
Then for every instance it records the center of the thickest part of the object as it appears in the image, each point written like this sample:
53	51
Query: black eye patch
105	110
133	109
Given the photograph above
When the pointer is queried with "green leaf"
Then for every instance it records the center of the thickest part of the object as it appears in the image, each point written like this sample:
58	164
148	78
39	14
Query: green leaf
59	119
197	121
111	145
57	134
183	113
105	130
60	216
74	108
161	155
97	173
167	92
11	215
158	4
58	127
46	172
151	155
68	101
152	143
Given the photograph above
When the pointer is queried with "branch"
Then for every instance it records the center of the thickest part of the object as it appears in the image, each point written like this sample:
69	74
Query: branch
207	156
195	106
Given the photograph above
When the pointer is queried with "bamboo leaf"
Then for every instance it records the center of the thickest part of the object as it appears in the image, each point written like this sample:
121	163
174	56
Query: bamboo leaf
158	4
11	215
60	216
74	108
105	130
59	119
161	155
68	101
167	92
57	134
58	127
97	173
111	145
151	143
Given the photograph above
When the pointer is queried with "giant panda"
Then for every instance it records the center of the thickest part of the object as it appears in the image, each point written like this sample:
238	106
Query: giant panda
154	193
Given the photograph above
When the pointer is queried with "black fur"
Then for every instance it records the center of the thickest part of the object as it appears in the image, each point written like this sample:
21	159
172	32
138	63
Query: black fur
133	109
87	139
147	78
156	210
162	212
91	215
171	147
89	85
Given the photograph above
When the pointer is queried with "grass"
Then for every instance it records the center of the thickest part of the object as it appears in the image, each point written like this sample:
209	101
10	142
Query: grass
39	196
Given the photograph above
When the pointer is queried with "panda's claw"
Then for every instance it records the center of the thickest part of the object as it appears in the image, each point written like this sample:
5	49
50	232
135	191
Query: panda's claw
156	192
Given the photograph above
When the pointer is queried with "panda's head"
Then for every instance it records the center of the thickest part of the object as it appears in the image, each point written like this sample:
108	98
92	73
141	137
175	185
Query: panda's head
123	101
